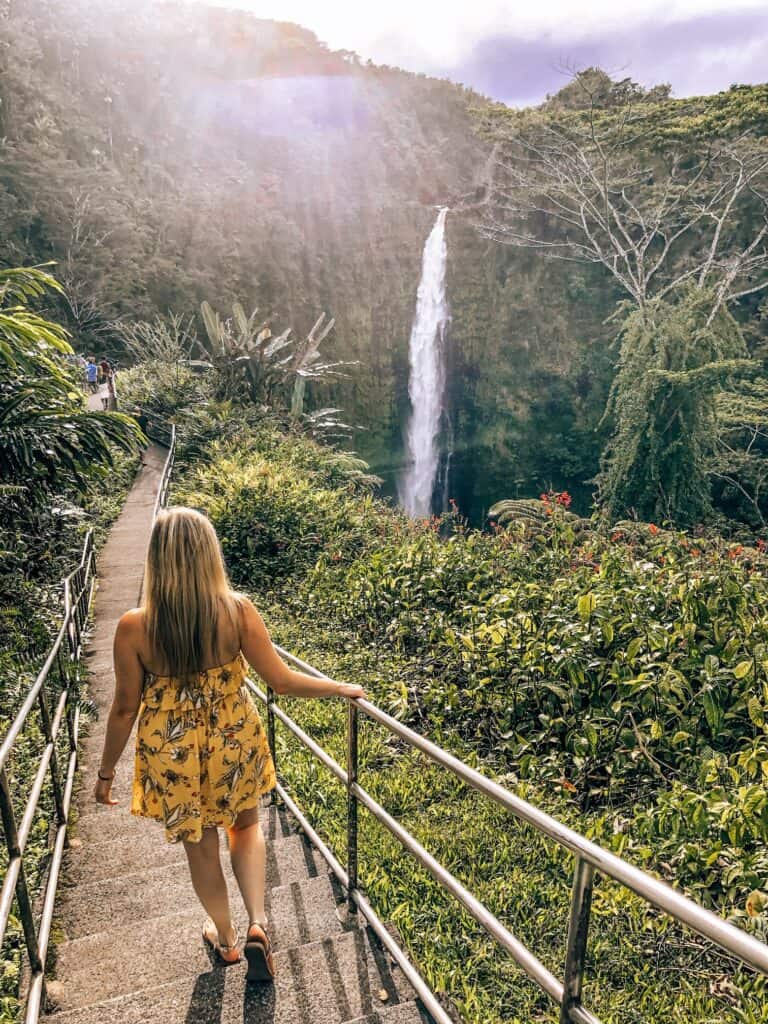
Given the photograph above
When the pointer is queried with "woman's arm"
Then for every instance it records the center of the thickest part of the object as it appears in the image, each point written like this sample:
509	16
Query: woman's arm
129	679
260	653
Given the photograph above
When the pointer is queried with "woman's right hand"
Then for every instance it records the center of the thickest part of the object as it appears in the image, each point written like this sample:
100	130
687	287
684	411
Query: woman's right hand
350	690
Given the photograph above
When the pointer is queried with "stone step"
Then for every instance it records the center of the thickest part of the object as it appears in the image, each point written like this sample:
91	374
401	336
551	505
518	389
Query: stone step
333	981
156	891
302	912
119	960
401	1013
128	841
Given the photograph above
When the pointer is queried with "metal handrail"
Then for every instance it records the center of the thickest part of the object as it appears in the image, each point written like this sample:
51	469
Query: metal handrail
62	662
161	498
60	666
589	858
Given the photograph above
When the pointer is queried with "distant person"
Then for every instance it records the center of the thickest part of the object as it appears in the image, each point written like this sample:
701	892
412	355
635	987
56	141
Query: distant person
104	392
202	760
104	368
112	392
142	421
92	375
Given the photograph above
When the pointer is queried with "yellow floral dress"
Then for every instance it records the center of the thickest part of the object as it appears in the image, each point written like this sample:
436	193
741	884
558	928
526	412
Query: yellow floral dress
201	751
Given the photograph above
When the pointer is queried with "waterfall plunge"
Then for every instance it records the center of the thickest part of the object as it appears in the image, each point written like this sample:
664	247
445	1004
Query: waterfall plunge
426	384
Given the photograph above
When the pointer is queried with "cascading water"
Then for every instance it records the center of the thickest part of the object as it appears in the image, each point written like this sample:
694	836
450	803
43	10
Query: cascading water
426	384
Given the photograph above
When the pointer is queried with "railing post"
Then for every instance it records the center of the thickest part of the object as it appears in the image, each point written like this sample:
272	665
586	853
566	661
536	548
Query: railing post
58	794
22	892
352	725
578	927
271	730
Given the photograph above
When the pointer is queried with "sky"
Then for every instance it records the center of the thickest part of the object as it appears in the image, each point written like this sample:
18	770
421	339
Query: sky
517	51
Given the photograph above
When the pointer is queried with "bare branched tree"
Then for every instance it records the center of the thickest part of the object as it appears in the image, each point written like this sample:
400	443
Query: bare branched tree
164	339
621	185
83	244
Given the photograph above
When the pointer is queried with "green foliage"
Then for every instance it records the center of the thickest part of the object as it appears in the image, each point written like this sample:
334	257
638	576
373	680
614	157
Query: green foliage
673	363
594	88
47	437
617	677
163	389
164	339
273	521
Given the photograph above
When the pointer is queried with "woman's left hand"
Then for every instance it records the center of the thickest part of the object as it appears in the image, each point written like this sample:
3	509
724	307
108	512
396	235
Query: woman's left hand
103	792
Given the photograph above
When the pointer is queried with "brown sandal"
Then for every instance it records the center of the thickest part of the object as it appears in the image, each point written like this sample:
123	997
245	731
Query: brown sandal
258	953
226	954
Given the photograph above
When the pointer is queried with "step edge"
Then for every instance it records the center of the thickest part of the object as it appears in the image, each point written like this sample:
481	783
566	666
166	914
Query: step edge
55	1015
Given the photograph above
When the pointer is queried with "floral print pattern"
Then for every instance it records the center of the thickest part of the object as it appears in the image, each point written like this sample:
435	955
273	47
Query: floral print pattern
201	751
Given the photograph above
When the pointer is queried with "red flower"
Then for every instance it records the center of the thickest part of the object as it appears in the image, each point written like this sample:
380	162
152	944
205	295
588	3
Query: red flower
735	552
618	535
652	528
544	498
563	498
761	545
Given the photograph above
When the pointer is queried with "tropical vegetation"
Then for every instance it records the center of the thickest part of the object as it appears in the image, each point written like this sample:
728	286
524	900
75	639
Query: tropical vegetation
613	673
607	661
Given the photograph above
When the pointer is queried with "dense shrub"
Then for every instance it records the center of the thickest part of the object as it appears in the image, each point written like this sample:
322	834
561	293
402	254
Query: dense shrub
617	677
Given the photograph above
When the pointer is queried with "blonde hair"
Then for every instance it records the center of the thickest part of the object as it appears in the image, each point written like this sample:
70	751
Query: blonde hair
186	591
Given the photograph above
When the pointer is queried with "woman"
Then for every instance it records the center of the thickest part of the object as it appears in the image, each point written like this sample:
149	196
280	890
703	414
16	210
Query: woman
202	760
104	393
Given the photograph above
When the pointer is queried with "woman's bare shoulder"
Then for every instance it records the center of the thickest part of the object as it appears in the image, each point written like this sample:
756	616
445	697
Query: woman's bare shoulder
131	623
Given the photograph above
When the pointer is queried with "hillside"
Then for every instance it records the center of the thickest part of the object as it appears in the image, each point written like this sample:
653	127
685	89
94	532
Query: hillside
163	154
216	156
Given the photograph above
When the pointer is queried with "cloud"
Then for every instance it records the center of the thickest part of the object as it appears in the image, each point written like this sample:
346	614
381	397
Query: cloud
698	55
512	50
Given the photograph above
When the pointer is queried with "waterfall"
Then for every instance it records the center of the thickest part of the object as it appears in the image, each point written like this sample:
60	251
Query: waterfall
426	383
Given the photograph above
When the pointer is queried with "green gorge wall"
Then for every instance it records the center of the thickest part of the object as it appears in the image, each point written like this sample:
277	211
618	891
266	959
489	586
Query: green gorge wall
166	154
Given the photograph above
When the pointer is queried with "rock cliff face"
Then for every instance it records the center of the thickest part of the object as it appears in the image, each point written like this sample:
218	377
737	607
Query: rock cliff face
164	154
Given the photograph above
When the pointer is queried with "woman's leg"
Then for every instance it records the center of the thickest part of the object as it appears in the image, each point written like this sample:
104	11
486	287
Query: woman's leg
209	882
248	854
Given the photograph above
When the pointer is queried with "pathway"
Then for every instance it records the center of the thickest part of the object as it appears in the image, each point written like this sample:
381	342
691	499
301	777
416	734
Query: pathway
128	924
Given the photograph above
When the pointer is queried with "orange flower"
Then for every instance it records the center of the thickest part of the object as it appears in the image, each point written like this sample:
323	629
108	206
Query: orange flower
652	528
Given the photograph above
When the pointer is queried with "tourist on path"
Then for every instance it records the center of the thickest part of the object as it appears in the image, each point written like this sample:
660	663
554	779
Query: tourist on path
104	393
92	375
202	760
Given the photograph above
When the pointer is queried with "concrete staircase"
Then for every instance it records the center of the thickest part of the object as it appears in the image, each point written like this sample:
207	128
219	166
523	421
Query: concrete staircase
132	950
127	929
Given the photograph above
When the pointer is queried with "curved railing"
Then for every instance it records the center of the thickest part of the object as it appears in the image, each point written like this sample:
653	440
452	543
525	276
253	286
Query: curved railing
166	436
55	694
588	858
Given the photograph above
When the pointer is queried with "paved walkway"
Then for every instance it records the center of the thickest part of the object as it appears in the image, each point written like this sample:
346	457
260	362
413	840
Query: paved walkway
128	924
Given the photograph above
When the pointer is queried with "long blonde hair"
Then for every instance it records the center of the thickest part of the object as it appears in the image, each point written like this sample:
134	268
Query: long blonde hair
186	591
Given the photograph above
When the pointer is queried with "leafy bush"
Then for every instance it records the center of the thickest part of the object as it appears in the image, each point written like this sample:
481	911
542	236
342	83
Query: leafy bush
618	677
161	389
